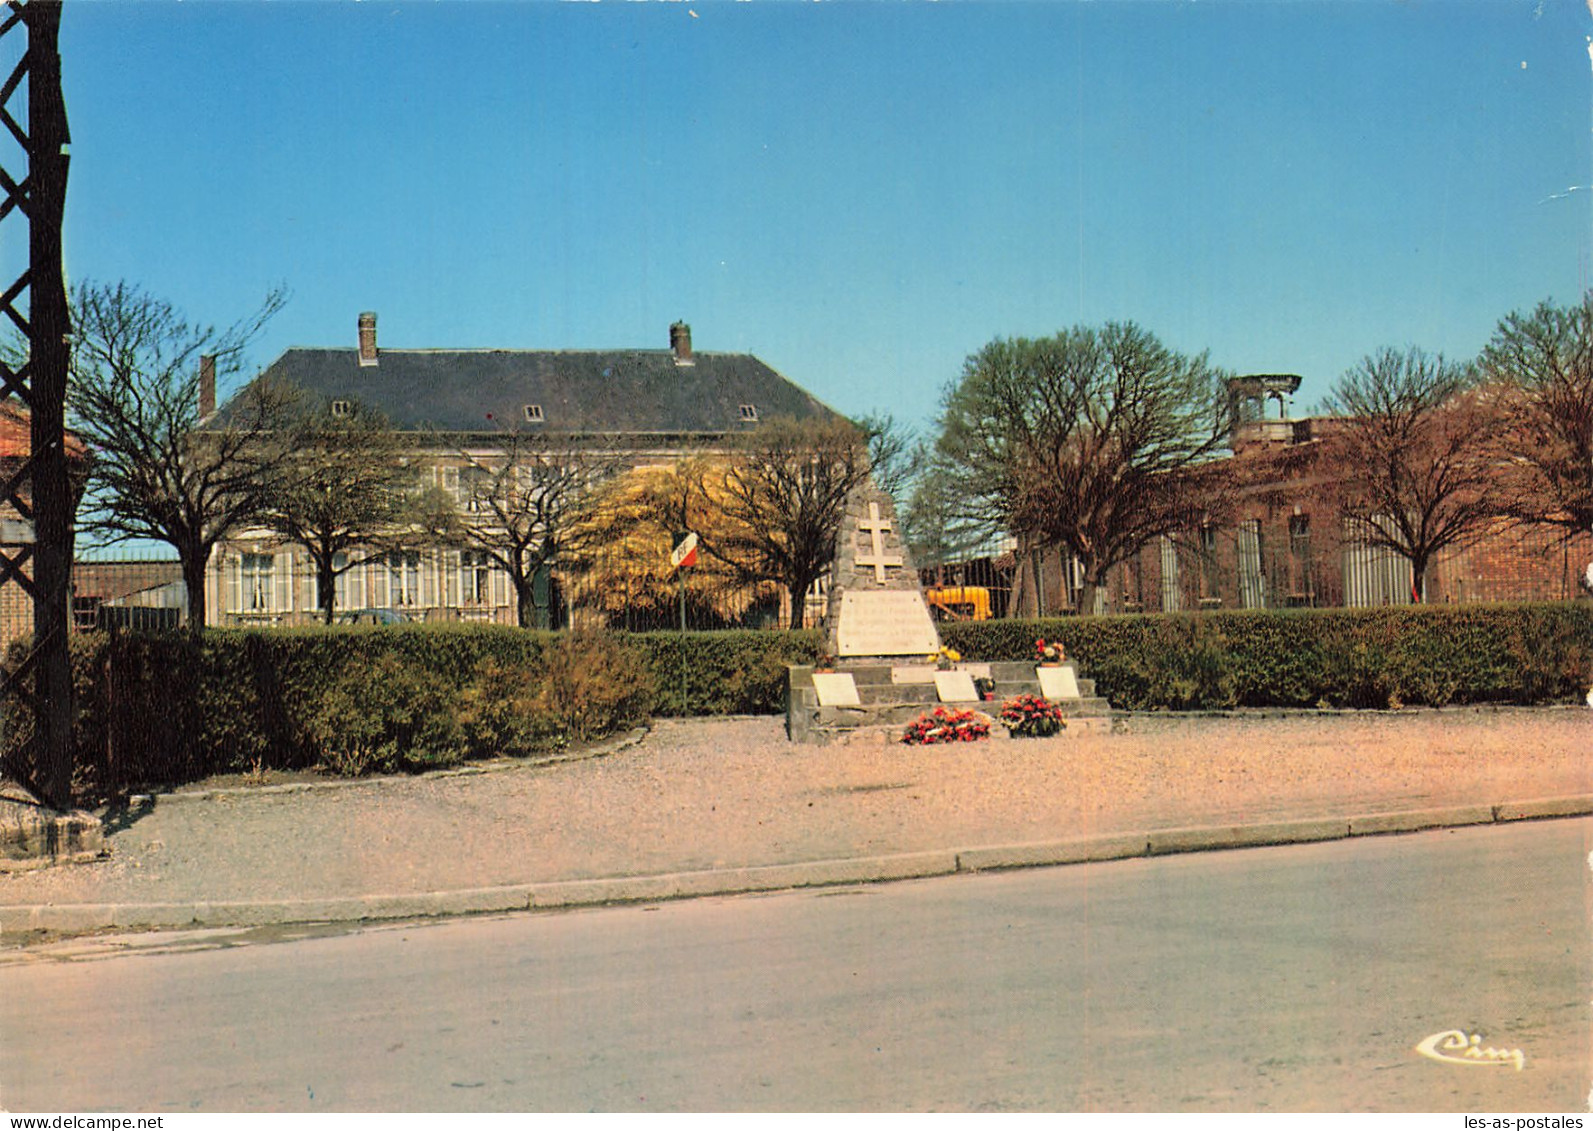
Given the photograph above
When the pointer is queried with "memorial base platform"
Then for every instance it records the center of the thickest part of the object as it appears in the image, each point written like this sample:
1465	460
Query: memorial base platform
891	695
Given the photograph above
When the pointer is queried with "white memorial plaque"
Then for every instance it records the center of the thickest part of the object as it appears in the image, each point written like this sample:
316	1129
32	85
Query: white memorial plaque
956	687
913	673
885	622
1059	683
836	689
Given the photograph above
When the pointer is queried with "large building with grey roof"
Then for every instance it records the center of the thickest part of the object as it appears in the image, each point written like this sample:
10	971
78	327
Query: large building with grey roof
653	404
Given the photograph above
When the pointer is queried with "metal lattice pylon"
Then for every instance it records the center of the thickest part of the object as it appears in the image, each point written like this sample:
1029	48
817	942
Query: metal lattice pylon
38	557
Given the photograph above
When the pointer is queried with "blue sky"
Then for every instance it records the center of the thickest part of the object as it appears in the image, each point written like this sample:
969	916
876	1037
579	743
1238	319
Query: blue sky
862	194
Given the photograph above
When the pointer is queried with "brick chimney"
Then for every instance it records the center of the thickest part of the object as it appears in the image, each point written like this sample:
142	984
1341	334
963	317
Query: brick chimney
207	384
368	338
680	343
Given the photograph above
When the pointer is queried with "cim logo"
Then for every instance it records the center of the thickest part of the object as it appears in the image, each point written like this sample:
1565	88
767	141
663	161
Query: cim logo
1452	1046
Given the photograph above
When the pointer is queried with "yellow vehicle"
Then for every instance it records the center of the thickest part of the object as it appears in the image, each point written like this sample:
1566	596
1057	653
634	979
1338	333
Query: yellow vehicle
958	602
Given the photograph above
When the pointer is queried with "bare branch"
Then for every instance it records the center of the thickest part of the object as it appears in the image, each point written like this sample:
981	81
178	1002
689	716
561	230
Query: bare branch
133	394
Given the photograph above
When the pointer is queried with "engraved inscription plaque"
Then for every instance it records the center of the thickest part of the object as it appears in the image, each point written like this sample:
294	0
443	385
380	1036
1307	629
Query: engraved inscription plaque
836	689
956	687
891	622
1058	683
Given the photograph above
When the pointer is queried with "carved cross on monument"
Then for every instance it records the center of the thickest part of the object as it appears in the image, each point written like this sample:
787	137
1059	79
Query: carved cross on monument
876	526
875	605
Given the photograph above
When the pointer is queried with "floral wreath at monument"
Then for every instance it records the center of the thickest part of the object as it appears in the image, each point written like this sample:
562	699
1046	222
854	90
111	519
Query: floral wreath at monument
1032	716
947	724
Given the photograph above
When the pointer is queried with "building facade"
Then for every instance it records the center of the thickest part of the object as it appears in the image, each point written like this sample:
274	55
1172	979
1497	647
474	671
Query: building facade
1285	543
16	530
652	407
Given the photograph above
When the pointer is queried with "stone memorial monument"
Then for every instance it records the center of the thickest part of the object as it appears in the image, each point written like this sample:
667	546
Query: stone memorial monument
882	640
876	606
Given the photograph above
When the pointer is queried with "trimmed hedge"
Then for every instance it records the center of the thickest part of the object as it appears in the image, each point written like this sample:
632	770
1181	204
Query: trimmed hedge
1431	656
740	672
157	709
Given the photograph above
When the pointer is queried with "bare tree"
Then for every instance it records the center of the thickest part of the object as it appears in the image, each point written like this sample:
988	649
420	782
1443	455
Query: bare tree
782	495
896	457
528	504
1413	456
348	494
1093	441
159	471
1543	365
935	527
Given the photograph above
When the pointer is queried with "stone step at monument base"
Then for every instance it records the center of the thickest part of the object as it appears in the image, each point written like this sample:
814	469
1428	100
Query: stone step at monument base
908	682
893	695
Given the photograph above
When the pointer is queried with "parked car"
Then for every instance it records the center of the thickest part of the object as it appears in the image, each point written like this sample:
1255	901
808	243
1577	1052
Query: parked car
373	616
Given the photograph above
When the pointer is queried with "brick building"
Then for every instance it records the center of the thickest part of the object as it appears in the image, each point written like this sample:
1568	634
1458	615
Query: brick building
1287	545
16	444
106	590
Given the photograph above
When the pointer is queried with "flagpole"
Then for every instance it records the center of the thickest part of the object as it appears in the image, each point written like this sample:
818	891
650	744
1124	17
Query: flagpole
682	556
682	573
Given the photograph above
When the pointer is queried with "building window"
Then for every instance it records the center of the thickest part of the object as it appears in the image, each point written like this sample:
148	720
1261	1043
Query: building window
1172	596
341	408
749	413
403	578
533	413
475	577
1374	574
1210	584
1300	587
1252	581
85	612
257	573
475	485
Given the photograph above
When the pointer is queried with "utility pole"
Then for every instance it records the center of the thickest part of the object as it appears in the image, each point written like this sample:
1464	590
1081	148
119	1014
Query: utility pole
41	491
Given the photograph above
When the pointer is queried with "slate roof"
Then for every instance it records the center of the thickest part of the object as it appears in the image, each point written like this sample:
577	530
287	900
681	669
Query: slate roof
612	392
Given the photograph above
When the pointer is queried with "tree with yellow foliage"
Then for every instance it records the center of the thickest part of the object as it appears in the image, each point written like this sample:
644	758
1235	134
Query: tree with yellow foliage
627	576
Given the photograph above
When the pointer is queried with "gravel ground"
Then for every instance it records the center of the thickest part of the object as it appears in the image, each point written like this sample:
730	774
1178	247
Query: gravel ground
727	793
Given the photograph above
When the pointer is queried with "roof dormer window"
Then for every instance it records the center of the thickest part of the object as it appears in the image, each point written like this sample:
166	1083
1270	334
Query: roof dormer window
341	409
533	414
749	413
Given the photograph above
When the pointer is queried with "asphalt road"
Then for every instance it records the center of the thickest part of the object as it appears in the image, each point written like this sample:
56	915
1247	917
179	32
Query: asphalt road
1298	978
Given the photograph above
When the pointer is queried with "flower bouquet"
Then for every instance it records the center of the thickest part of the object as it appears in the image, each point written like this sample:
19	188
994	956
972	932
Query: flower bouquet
1049	654
944	658
1030	716
947	724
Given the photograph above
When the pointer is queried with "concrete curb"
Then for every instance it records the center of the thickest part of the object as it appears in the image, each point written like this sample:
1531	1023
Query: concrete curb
86	918
507	765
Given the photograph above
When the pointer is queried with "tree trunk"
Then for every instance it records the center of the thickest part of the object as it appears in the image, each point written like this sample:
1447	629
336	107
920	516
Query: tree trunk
1418	581
799	601
326	582
1091	595
194	560
1094	582
525	599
